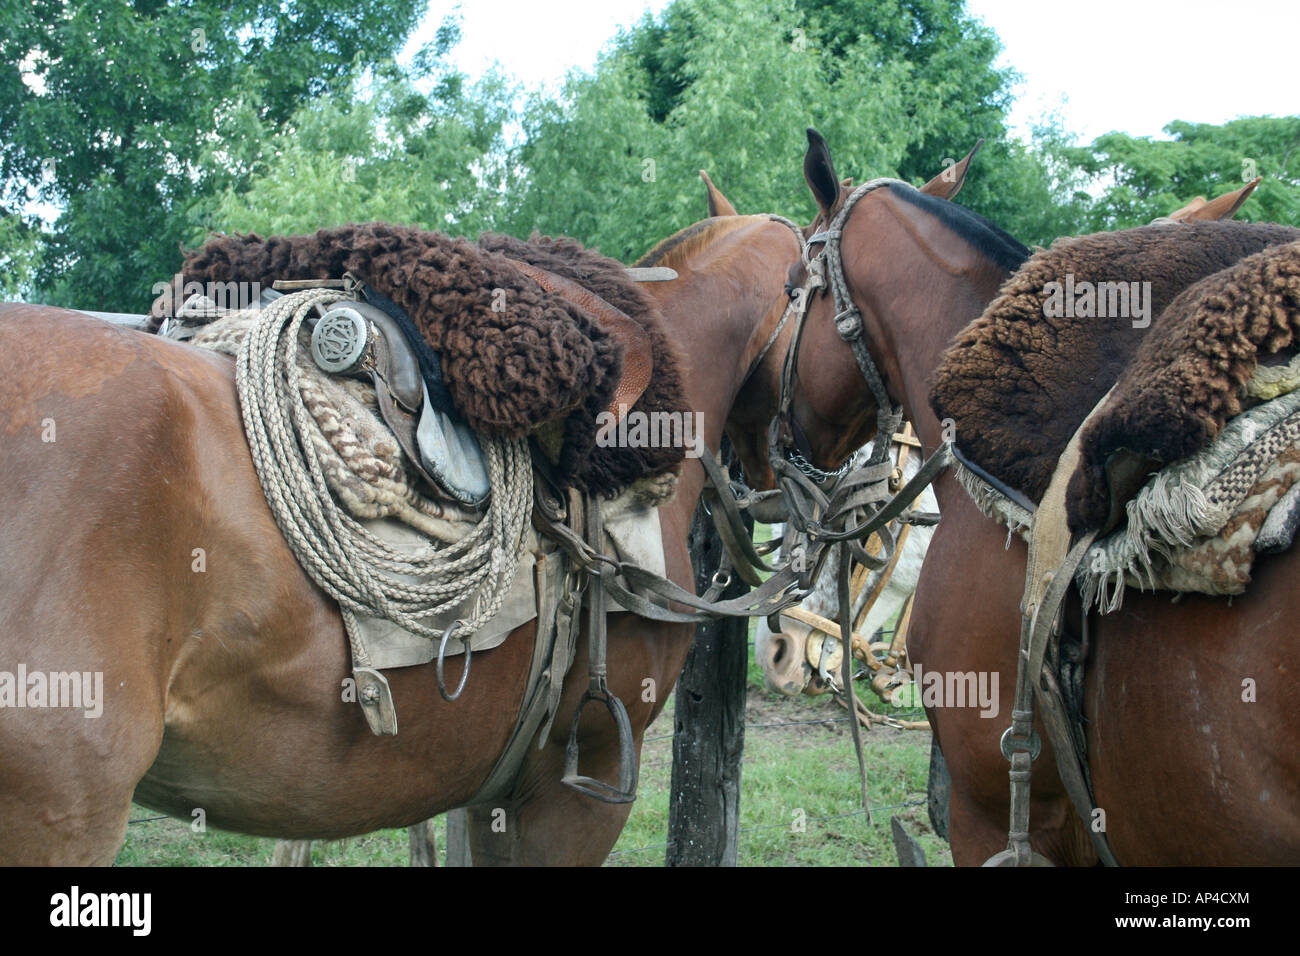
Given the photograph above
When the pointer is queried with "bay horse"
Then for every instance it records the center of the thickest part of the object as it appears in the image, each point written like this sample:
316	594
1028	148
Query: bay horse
122	453
1185	770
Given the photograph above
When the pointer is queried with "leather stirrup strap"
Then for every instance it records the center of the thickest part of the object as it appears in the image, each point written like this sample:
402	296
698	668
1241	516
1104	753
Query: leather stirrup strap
1049	574
598	687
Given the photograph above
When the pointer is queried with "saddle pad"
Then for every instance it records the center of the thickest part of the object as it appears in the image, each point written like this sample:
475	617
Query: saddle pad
1018	380
632	532
1195	526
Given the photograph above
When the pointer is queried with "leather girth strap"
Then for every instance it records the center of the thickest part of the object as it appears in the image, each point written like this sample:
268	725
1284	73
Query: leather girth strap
554	647
1049	574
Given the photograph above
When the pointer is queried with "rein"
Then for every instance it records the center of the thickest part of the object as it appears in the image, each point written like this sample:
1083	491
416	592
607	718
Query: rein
858	503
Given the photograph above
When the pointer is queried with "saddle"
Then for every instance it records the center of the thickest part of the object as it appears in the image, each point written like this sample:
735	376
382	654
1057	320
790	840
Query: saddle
536	338
376	339
1193	450
1018	381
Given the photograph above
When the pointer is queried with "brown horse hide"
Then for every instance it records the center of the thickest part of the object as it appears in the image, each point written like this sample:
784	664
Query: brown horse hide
514	356
1018	381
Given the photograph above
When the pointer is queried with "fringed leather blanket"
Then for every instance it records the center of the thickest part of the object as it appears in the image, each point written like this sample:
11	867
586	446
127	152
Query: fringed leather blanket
516	358
1197	403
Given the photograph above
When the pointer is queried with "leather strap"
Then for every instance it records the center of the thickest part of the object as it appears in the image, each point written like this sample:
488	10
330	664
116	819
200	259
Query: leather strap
1049	574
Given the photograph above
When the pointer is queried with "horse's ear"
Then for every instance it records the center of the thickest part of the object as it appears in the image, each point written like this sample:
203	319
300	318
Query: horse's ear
949	182
819	172
1187	212
1225	206
719	205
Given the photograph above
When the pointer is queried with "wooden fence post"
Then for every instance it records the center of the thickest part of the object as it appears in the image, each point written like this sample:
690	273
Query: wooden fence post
458	838
709	721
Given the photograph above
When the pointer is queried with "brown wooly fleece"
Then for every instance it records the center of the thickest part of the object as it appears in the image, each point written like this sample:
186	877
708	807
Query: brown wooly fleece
508	371
607	470
1188	378
1018	384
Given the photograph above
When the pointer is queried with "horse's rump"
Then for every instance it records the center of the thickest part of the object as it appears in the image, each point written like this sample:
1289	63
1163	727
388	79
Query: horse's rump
515	357
1018	382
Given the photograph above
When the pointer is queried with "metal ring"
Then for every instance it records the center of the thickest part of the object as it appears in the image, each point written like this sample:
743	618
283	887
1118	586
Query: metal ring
464	674
1032	743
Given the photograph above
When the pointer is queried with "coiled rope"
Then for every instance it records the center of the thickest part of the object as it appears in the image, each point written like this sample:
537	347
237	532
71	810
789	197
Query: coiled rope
354	567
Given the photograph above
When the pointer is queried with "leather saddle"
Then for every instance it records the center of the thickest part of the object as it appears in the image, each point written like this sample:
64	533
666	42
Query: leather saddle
377	338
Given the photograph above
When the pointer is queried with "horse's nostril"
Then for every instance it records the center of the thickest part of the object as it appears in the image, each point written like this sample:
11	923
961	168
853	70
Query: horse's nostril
781	647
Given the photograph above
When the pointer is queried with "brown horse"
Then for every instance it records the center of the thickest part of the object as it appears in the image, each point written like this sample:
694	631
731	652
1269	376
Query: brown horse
123	453
1185	771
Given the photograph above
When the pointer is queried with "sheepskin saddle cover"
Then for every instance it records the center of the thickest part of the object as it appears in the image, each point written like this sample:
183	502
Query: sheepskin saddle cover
1018	381
515	356
1192	373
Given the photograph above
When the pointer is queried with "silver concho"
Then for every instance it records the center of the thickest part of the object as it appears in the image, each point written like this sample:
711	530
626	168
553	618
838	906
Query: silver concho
340	340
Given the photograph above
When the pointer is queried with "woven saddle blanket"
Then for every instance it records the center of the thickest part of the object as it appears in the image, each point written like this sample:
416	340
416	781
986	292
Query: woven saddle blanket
367	472
1197	525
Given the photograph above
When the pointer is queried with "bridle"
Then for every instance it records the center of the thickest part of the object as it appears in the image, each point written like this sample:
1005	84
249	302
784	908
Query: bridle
814	511
844	507
826	271
826	516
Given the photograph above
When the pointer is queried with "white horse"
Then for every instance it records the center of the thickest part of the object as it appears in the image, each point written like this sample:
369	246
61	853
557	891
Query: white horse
784	657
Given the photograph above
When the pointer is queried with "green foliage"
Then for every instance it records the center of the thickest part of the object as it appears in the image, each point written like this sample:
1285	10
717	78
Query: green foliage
730	86
389	152
1146	178
20	257
145	125
105	108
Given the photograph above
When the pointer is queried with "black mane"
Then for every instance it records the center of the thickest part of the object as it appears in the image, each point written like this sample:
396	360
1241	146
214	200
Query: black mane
995	242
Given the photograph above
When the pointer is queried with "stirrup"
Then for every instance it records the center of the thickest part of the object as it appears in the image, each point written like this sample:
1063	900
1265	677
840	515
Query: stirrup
1007	857
625	792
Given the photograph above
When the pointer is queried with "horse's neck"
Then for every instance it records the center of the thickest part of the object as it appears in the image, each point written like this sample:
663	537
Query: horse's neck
714	328
943	297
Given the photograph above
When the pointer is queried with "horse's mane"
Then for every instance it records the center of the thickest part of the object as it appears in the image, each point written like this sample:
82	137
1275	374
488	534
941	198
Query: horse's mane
990	239
686	242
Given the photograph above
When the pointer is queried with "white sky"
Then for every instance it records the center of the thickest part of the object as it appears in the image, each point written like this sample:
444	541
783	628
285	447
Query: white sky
1128	65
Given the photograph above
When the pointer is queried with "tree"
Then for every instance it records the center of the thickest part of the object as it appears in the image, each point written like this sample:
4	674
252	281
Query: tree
381	150
1146	178
896	86
105	110
728	85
